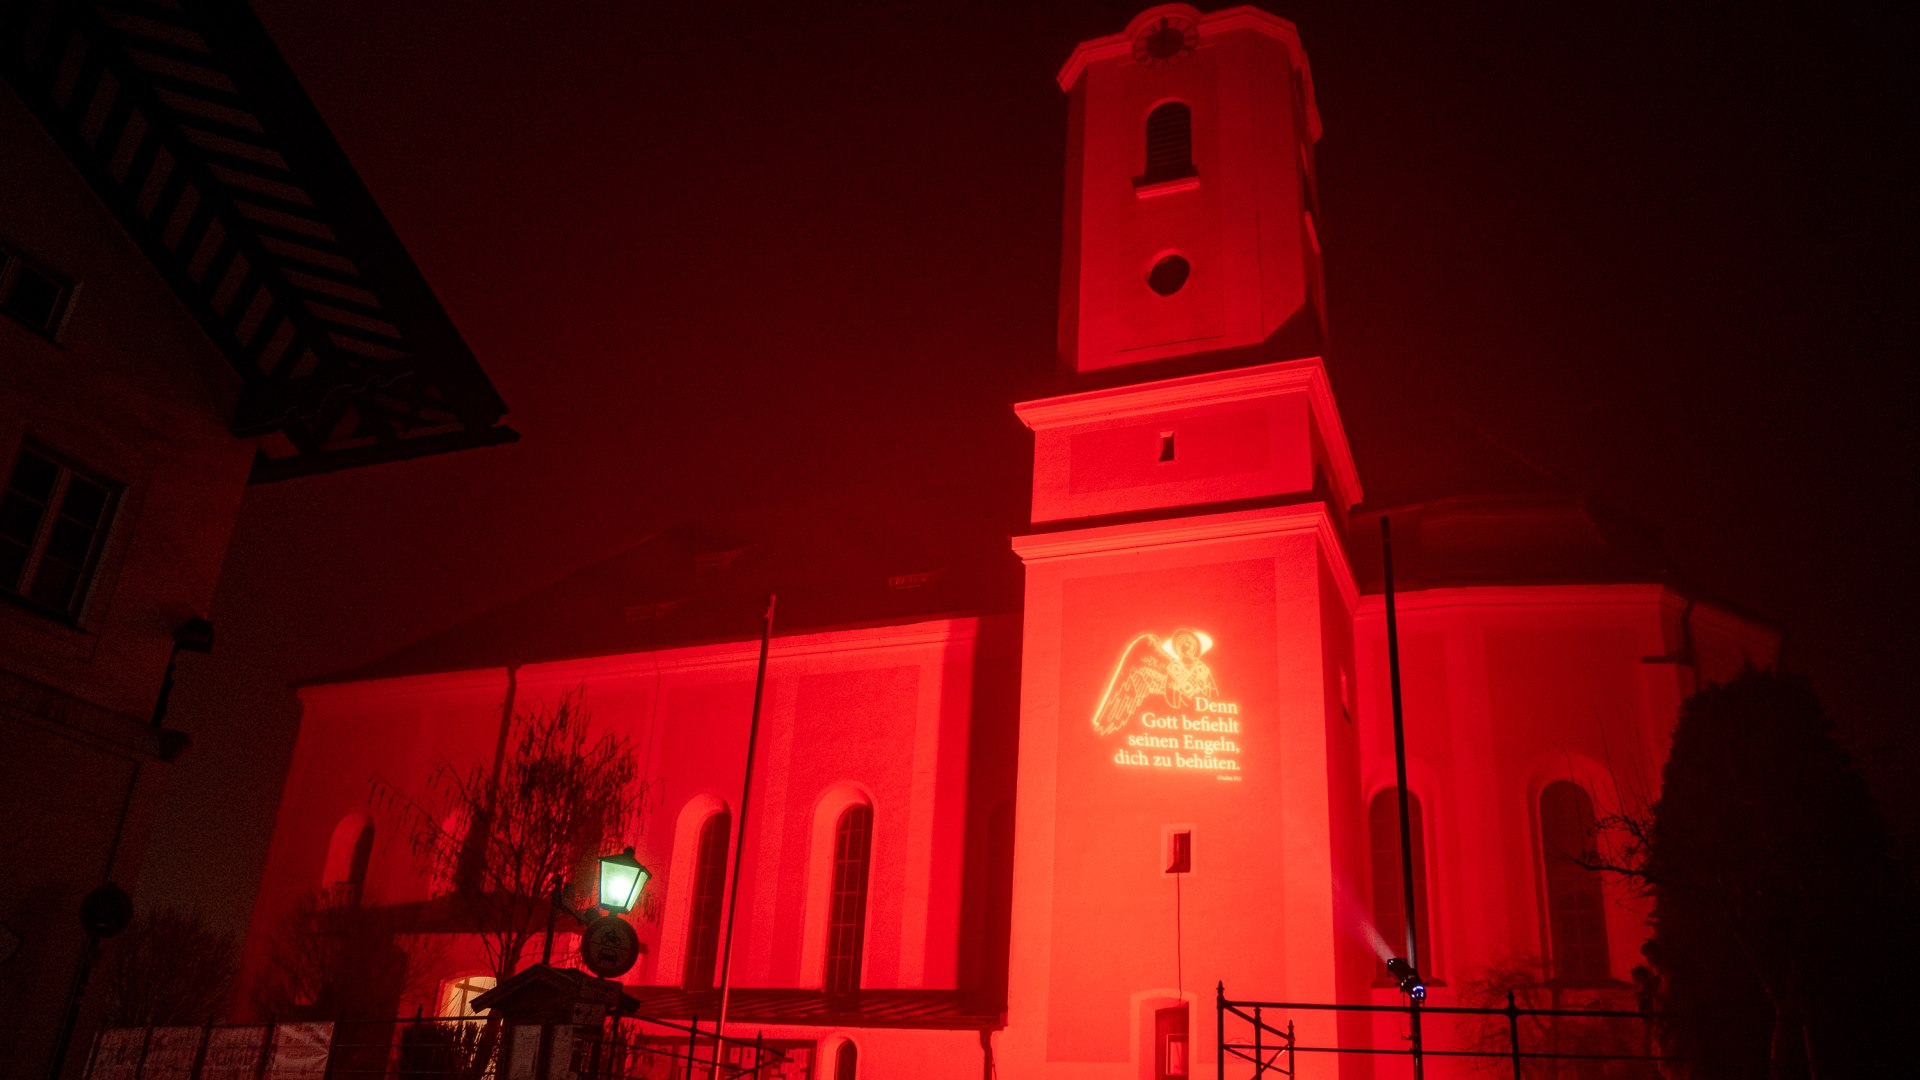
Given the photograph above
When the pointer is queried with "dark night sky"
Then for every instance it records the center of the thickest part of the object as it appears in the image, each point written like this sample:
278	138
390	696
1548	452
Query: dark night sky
718	255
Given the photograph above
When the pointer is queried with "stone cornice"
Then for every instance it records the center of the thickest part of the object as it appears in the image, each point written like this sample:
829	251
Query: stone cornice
1211	528
1308	376
1235	18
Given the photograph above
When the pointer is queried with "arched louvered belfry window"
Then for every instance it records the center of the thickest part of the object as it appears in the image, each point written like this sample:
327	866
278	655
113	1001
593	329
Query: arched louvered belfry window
709	889
847	905
1576	913
846	1061
1169	143
1383	831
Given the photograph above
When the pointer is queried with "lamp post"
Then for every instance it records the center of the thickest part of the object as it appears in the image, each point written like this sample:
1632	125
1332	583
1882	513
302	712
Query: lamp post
1406	830
1411	984
622	877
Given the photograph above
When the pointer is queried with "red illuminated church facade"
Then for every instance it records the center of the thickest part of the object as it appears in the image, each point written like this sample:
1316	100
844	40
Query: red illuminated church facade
1028	809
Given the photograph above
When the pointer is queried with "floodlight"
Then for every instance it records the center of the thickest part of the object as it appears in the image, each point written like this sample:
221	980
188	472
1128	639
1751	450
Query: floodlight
1411	984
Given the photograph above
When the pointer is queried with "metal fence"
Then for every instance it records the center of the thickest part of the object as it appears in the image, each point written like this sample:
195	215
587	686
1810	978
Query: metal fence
1516	1041
442	1048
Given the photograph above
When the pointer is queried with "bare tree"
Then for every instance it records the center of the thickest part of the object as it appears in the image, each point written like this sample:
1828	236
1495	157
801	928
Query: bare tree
171	967
1596	1048
327	960
498	836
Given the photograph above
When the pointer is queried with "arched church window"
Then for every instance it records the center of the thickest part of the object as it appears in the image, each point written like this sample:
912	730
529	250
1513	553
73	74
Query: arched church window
709	888
1389	904
1169	143
345	878
846	1061
847	907
1576	915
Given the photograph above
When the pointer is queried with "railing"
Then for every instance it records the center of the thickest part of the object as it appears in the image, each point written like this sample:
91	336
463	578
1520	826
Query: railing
1269	1046
439	1048
1614	1044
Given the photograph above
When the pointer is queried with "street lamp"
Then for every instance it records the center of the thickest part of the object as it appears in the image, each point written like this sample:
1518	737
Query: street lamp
621	879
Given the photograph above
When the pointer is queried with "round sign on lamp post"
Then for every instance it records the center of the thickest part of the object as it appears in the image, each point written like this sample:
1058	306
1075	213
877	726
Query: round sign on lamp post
609	946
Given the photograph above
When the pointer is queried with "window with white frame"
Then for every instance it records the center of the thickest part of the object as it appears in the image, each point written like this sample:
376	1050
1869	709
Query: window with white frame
1576	909
53	522
709	890
847	908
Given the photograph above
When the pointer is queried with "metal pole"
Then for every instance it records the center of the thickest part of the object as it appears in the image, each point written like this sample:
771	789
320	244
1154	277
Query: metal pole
266	1049
71	1016
1259	1052
1220	1030
740	835
199	1053
1400	778
146	1046
693	1040
1513	1034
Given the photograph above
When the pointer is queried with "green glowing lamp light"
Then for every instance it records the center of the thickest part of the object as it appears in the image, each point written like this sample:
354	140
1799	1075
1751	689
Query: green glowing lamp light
621	879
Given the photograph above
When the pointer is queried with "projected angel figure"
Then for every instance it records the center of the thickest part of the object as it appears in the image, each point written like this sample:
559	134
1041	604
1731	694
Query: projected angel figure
1170	667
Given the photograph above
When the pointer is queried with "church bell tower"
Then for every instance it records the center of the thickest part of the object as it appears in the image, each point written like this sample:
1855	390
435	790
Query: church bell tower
1186	758
1190	193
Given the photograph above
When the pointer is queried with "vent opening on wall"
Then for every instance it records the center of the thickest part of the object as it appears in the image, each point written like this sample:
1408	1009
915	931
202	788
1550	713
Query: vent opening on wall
1180	851
1166	446
1169	275
918	579
708	562
647	612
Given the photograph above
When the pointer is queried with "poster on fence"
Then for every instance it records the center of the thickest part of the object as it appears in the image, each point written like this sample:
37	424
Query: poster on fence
116	1054
300	1051
171	1052
233	1053
161	1053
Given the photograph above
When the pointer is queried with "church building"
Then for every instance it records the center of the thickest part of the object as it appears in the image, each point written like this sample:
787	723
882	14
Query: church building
1023	798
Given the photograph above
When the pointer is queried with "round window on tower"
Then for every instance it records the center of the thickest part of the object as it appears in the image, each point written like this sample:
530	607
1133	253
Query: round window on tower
1169	273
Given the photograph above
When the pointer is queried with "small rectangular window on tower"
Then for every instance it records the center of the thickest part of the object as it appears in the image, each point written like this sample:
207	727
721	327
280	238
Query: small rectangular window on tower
1166	446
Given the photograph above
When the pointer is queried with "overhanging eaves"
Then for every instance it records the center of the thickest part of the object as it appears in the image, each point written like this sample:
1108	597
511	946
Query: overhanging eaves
187	123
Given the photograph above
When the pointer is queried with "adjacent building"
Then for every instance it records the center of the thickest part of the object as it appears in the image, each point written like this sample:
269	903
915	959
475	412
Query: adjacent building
195	294
1026	792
